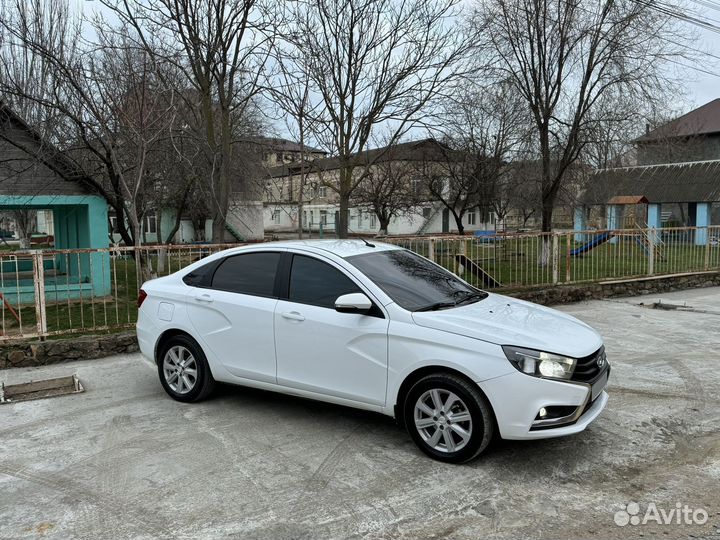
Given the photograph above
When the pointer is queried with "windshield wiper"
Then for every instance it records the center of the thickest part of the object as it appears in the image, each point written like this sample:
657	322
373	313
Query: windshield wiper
472	296
436	306
444	305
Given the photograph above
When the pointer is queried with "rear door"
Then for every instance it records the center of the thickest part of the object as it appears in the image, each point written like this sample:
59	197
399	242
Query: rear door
233	313
320	350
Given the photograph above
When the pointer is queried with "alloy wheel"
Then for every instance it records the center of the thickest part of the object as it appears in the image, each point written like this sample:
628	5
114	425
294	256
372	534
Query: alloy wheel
443	420
180	369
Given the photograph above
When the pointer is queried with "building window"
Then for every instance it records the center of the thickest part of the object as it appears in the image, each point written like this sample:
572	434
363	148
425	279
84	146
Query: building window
113	223
276	216
471	218
372	221
150	224
322	191
416	185
323	217
426	212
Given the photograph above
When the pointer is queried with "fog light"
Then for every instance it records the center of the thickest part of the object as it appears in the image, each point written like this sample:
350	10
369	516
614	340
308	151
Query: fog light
543	412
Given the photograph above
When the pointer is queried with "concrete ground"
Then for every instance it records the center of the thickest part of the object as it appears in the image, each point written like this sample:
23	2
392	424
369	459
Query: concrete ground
123	460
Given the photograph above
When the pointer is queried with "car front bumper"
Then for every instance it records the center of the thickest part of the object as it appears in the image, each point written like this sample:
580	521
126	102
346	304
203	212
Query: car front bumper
516	399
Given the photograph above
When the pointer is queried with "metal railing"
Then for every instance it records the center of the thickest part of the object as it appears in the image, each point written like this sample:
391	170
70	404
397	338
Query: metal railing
537	259
45	293
54	292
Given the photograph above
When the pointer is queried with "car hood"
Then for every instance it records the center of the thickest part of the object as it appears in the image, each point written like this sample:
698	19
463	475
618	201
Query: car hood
508	321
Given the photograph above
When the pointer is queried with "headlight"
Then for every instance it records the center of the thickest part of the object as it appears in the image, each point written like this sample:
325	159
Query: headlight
540	364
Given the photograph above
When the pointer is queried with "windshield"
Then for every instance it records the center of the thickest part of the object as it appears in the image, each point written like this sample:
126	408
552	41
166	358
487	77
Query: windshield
414	282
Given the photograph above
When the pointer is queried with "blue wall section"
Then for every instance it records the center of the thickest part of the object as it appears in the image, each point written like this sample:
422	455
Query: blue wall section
81	221
702	221
580	223
654	221
613	220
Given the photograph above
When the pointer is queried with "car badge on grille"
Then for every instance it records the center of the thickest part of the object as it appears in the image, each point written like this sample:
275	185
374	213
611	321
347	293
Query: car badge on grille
600	360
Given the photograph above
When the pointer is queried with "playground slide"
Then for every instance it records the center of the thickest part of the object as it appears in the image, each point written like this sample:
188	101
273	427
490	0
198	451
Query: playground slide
595	242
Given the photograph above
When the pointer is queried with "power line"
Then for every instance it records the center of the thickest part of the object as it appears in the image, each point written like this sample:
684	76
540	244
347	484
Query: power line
669	10
708	4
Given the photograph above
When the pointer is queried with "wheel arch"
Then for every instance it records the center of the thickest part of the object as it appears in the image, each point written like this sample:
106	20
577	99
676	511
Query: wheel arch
424	371
167	335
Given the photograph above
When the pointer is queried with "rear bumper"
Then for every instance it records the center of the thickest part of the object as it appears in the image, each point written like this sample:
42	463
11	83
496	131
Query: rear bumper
147	334
516	399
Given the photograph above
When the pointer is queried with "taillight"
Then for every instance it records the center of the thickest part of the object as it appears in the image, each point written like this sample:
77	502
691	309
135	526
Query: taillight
142	295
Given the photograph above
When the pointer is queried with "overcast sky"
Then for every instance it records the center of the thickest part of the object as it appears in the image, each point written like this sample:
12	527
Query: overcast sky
702	85
705	86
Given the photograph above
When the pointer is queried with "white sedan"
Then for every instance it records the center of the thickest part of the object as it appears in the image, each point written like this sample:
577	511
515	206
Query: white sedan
376	327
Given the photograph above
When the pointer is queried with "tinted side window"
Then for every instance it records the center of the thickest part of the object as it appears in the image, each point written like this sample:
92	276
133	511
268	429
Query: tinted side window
252	273
317	283
200	277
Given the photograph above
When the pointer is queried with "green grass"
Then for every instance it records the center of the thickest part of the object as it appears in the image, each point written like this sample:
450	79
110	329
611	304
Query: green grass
515	262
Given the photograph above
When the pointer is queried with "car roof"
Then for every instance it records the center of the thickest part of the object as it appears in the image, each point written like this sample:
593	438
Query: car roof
341	248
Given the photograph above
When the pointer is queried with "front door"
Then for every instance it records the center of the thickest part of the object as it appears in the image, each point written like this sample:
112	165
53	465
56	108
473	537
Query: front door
234	315
320	350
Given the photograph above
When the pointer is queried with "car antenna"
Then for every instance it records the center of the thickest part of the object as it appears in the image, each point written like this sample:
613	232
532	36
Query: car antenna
368	244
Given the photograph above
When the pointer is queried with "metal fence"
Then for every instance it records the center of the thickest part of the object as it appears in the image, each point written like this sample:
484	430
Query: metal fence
45	293
54	292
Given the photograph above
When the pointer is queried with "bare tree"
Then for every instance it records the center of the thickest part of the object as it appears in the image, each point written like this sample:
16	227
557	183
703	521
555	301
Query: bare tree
220	49
374	65
25	223
104	96
481	128
390	190
485	125
53	27
289	86
565	59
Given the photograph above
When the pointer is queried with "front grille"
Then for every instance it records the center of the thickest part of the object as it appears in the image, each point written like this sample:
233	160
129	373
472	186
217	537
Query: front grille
587	368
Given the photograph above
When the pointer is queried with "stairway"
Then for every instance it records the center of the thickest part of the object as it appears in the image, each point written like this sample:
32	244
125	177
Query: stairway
423	229
236	234
644	240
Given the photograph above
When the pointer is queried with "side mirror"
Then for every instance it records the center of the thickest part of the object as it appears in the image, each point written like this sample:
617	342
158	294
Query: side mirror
353	303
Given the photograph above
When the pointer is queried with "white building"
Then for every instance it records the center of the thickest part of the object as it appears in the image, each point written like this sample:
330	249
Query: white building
321	207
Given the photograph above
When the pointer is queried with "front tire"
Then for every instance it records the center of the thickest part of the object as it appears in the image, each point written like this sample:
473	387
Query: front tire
448	418
183	370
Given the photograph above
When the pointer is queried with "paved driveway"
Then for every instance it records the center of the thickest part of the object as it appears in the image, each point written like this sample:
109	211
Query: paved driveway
124	461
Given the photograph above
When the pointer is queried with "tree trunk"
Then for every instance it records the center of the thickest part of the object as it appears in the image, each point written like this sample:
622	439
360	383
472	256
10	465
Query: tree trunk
341	227
222	194
162	252
547	213
384	224
459	223
345	184
25	223
300	215
174	229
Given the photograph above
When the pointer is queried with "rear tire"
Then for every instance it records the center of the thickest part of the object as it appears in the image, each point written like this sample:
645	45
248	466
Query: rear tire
183	370
448	418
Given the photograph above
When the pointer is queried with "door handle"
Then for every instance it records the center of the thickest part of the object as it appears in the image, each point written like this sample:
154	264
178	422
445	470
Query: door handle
204	298
293	315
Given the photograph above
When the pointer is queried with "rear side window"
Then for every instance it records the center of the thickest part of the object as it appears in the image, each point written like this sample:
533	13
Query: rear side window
317	283
251	273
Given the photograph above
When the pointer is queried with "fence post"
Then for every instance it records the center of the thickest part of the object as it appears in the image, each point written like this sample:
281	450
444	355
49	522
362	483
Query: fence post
555	258
651	255
707	251
567	259
39	283
431	249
